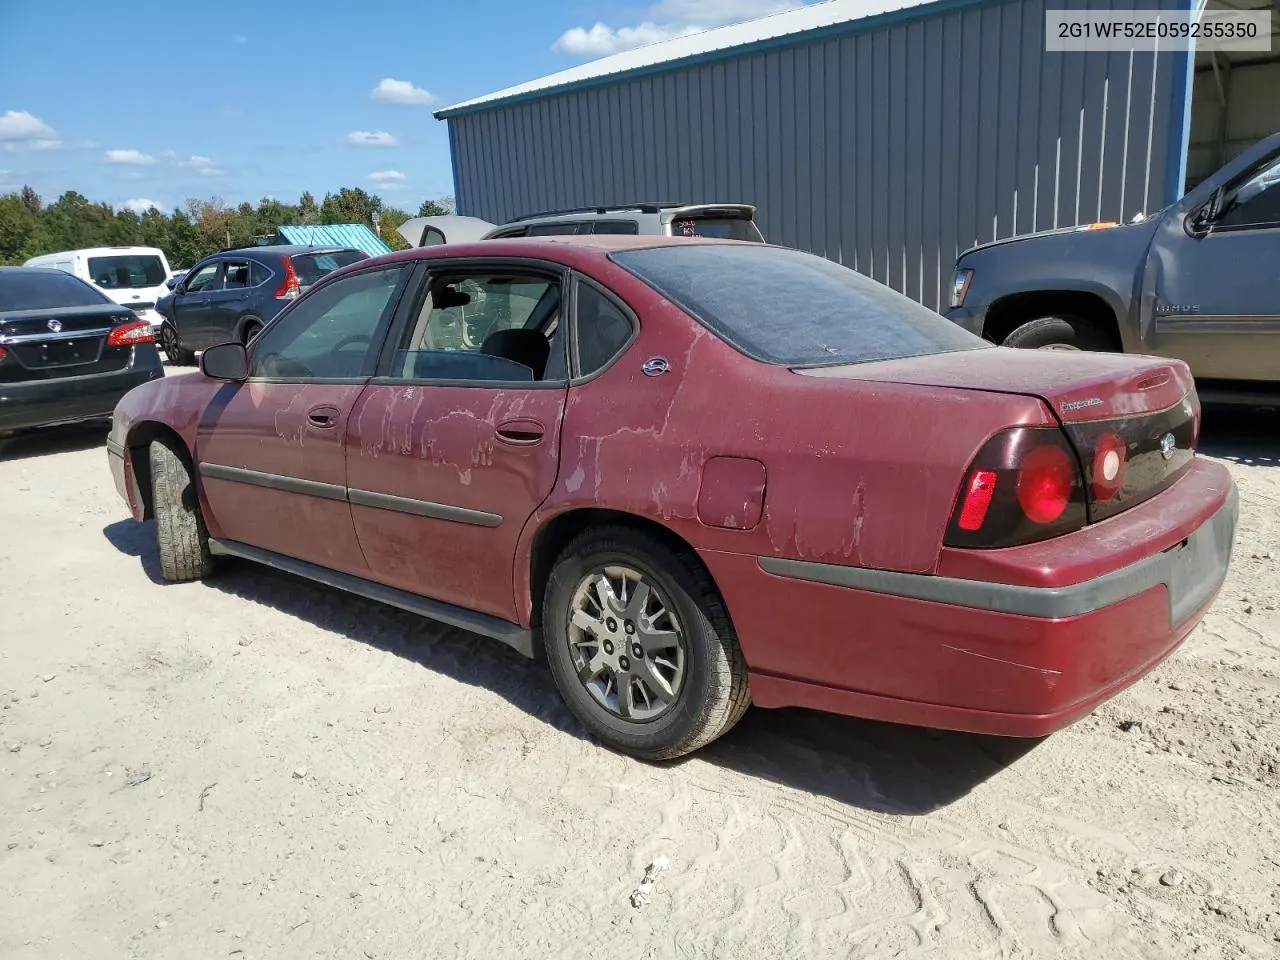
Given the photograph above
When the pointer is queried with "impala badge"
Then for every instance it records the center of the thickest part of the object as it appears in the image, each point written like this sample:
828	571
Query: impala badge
1167	446
55	325
655	366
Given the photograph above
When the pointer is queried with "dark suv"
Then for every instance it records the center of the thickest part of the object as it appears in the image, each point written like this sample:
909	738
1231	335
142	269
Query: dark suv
231	295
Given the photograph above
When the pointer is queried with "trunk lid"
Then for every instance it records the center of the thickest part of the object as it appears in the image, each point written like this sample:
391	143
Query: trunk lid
1133	422
53	342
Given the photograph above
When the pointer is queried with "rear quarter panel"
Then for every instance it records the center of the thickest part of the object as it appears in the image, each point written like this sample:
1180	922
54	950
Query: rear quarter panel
857	473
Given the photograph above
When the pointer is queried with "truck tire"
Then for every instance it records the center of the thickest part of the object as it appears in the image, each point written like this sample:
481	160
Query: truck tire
1060	333
181	538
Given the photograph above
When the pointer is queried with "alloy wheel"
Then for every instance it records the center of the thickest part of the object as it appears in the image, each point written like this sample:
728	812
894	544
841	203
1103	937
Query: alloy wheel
627	645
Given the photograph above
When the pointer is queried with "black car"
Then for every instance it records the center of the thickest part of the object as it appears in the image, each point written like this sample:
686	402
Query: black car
232	294
68	352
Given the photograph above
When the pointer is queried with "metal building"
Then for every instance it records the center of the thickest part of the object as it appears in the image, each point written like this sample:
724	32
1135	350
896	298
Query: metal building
886	139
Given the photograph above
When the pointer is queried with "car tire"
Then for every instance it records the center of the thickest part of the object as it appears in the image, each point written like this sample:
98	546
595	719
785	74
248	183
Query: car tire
680	696
1060	333
173	348
181	538
252	327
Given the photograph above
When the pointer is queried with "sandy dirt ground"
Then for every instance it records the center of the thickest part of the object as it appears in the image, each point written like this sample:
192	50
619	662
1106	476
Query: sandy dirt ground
255	767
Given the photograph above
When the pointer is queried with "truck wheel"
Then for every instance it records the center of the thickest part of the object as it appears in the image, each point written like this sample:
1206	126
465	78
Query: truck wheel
173	348
641	646
181	538
1060	333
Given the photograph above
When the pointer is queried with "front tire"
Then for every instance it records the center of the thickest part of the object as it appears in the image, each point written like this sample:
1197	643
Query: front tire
1060	333
173	348
640	645
181	538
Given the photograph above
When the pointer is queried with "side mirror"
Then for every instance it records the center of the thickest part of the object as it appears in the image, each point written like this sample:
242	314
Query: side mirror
226	361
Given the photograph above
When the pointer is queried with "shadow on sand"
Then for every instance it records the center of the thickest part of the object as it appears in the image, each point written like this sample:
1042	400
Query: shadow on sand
874	766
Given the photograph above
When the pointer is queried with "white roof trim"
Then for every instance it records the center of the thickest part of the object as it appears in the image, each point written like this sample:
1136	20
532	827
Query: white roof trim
812	17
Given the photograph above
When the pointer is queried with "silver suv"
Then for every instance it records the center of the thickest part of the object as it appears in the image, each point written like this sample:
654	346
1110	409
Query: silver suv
730	221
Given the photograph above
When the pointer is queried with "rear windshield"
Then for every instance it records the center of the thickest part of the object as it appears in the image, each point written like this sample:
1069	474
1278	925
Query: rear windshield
44	290
719	227
127	271
310	267
790	308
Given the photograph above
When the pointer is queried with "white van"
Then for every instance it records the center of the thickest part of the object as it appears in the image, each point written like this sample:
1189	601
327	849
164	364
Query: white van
132	276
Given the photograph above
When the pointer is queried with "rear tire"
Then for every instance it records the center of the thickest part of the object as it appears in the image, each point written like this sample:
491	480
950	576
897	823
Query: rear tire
181	538
252	327
1060	333
693	690
173	348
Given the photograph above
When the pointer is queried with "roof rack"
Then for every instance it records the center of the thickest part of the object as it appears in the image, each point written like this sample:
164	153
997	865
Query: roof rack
646	206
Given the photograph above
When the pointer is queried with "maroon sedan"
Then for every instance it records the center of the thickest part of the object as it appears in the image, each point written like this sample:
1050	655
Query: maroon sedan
698	474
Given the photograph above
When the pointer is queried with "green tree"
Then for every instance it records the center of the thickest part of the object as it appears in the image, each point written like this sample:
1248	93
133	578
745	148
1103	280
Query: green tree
436	208
389	219
349	205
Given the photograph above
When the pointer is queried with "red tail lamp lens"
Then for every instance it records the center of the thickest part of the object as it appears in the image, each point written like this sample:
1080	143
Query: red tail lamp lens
3	353
1045	478
1109	461
977	498
130	334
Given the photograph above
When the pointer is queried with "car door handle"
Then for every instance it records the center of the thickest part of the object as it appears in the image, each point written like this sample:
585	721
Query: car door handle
323	417
521	433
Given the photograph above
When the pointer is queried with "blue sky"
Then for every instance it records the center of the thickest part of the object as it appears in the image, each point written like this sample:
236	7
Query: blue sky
144	100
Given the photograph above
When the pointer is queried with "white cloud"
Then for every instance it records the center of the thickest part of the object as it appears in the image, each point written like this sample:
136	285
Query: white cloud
239	38
665	20
20	130
400	91
132	158
365	138
389	179
204	166
140	205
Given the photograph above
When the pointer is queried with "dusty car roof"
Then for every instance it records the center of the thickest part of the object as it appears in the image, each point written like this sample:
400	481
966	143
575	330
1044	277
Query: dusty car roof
549	246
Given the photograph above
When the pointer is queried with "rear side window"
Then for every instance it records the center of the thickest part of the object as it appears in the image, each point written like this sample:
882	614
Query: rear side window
627	227
794	309
558	229
259	274
127	271
44	289
310	267
602	330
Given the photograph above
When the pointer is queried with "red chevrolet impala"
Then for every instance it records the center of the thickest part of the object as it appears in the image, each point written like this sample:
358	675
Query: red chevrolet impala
700	474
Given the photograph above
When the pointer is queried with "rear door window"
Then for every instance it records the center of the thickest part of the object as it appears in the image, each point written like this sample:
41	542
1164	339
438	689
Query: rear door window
559	229
236	275
127	271
626	227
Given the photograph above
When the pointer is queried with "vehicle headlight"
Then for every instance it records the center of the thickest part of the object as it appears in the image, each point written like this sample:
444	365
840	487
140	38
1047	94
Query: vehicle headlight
960	286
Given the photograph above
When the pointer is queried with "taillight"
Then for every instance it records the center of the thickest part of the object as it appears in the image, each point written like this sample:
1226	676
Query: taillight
1110	457
1024	485
288	288
131	334
3	353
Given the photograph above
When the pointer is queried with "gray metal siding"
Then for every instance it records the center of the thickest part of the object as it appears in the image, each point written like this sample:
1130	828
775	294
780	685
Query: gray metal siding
890	150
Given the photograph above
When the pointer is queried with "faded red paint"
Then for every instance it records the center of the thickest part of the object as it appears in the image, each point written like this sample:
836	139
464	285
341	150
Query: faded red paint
856	465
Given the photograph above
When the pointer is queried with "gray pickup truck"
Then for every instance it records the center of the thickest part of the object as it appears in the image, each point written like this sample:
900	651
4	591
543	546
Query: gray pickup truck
1198	281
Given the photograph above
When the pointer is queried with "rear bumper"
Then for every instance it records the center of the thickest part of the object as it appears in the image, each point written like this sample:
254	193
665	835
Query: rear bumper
1003	658
46	403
